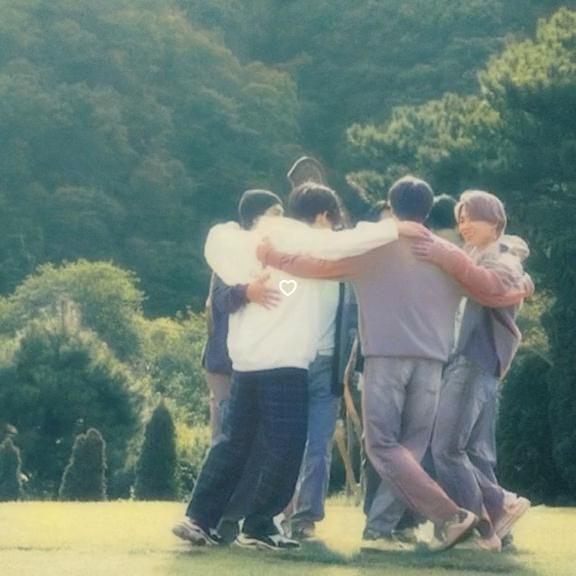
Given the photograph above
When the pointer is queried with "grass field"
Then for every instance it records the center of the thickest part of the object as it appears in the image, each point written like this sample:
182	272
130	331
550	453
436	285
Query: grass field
109	539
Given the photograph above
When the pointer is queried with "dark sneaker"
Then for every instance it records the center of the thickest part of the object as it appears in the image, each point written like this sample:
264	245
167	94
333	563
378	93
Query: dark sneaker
453	530
303	531
197	535
267	542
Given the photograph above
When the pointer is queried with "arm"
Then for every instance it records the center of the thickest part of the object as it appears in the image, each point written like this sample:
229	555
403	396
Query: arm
228	299
496	286
293	237
308	267
231	253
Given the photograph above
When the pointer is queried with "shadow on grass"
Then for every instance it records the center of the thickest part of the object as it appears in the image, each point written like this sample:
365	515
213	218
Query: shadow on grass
457	561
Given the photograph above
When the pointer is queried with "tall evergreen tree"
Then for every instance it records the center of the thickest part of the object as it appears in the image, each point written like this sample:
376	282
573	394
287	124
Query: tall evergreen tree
85	476
10	471
156	476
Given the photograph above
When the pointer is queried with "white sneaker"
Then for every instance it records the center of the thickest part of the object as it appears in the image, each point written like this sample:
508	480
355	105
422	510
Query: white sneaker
514	508
192	532
454	530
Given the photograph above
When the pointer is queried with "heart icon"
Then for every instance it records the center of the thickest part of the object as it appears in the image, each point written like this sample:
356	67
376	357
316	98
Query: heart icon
288	287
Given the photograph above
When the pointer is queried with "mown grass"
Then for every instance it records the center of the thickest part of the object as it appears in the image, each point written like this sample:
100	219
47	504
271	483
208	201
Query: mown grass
122	538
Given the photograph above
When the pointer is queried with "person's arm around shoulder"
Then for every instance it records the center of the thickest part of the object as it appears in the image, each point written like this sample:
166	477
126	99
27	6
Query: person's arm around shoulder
494	287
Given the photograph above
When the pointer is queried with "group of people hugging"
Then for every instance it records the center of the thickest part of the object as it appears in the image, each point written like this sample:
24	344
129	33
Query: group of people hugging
435	316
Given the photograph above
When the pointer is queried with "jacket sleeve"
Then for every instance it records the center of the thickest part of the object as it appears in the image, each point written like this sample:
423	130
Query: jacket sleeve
228	299
493	283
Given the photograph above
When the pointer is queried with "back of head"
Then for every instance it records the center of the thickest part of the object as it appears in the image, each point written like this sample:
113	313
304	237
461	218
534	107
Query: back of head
378	211
254	204
411	199
310	199
442	216
306	169
482	206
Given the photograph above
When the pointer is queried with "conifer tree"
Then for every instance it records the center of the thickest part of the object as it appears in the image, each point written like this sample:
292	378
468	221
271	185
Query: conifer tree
156	475
10	471
85	476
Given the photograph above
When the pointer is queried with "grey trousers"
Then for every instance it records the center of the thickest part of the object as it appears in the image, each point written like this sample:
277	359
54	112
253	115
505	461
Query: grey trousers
463	442
399	403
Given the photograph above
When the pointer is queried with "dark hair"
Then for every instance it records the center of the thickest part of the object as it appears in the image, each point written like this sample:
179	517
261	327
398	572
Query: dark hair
442	215
411	199
253	204
374	213
310	199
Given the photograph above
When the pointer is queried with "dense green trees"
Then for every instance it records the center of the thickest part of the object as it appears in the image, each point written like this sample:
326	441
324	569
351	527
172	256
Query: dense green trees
517	138
125	130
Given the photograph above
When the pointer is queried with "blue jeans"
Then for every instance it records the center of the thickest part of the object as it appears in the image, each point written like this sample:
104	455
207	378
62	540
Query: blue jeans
323	409
463	442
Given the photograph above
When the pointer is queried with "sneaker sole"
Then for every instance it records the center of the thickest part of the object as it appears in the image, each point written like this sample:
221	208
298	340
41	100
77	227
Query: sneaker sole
503	529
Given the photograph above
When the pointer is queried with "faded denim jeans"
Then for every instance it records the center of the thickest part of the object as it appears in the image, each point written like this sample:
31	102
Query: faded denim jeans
323	410
463	441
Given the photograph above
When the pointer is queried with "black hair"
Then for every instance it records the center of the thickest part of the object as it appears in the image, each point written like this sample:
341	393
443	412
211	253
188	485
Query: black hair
374	212
411	199
442	215
253	204
310	199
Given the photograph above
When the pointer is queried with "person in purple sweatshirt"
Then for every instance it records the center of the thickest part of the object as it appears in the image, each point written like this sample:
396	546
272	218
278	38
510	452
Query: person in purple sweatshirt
406	317
463	442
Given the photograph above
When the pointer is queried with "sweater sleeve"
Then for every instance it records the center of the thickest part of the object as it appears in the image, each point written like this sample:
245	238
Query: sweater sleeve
494	284
293	237
309	267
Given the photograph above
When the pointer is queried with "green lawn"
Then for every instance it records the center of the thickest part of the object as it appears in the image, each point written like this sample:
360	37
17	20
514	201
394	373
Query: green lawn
109	539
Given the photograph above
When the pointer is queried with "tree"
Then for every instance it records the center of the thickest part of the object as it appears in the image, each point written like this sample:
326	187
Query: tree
61	380
518	139
156	476
84	478
10	472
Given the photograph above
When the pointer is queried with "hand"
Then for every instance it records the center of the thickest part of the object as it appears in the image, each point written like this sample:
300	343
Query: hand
412	230
422	247
264	248
259	293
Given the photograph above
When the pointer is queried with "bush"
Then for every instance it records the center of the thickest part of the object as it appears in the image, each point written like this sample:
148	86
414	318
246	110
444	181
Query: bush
10	472
525	460
156	474
85	476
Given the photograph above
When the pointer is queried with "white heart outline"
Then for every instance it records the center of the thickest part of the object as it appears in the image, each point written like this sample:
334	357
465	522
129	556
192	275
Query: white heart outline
288	287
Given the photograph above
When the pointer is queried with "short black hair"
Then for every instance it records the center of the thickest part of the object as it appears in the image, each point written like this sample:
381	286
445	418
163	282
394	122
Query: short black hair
442	215
374	212
310	199
253	204
411	199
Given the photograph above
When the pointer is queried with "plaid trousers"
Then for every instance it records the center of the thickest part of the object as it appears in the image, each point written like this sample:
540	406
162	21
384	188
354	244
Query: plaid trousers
269	405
